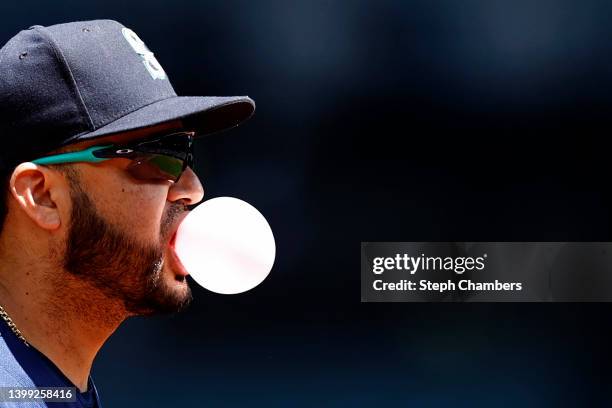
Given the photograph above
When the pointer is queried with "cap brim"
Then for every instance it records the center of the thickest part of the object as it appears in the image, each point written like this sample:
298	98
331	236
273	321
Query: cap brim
204	114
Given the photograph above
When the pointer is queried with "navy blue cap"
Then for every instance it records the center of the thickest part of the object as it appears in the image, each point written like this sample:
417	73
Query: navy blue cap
77	81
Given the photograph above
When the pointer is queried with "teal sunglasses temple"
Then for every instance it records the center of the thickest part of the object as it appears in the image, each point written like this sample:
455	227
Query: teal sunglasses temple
86	155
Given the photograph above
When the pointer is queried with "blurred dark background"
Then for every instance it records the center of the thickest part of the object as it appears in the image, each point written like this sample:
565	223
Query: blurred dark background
379	121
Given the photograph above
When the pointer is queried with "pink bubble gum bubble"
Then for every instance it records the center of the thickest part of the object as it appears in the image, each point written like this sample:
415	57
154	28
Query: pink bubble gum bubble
226	245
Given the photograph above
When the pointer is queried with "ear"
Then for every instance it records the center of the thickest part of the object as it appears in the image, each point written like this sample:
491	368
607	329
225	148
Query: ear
36	190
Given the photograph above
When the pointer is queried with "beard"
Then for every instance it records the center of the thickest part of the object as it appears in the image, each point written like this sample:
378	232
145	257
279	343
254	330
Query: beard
122	268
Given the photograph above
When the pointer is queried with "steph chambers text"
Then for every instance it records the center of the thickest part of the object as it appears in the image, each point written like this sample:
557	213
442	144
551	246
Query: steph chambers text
434	286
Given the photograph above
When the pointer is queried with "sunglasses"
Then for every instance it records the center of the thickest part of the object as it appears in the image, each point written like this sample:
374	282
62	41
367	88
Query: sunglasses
160	158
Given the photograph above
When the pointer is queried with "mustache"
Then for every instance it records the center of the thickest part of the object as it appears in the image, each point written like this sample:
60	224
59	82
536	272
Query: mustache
175	212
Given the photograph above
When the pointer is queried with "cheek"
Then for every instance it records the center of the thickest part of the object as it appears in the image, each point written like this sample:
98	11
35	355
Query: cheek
141	208
134	208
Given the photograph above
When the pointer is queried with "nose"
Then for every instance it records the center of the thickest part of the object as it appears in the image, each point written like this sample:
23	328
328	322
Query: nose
187	189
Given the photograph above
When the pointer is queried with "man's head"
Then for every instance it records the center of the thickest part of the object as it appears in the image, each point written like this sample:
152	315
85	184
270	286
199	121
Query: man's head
72	86
101	226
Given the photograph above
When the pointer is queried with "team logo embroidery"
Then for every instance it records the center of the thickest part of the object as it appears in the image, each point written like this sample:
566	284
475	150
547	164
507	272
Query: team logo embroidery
148	59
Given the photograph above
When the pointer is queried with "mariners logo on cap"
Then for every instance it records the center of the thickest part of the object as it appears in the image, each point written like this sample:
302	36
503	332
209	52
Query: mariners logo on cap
148	59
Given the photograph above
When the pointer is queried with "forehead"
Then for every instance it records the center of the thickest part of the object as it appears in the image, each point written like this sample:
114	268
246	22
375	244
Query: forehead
124	137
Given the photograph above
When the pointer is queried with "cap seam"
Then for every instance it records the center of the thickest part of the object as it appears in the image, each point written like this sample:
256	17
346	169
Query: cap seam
60	55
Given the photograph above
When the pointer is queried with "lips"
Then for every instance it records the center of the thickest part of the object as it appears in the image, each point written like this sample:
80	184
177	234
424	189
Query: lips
174	261
177	219
172	241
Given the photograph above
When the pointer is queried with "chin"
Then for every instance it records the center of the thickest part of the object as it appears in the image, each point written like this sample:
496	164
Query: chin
171	294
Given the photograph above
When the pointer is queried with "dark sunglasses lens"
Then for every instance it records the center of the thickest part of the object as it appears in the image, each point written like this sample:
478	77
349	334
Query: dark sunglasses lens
156	167
179	144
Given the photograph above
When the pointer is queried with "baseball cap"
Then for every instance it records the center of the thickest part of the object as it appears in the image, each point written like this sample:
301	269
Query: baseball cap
77	81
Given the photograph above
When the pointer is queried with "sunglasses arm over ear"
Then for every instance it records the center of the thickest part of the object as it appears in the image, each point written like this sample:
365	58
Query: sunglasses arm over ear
86	155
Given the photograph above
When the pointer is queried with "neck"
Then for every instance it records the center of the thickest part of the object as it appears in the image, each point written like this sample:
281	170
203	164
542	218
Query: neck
62	317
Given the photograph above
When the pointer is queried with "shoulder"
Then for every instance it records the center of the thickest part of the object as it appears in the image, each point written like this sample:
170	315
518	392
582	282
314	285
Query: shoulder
12	375
11	372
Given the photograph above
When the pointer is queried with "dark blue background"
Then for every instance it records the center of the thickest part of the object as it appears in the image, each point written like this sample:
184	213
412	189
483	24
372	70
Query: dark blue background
379	121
